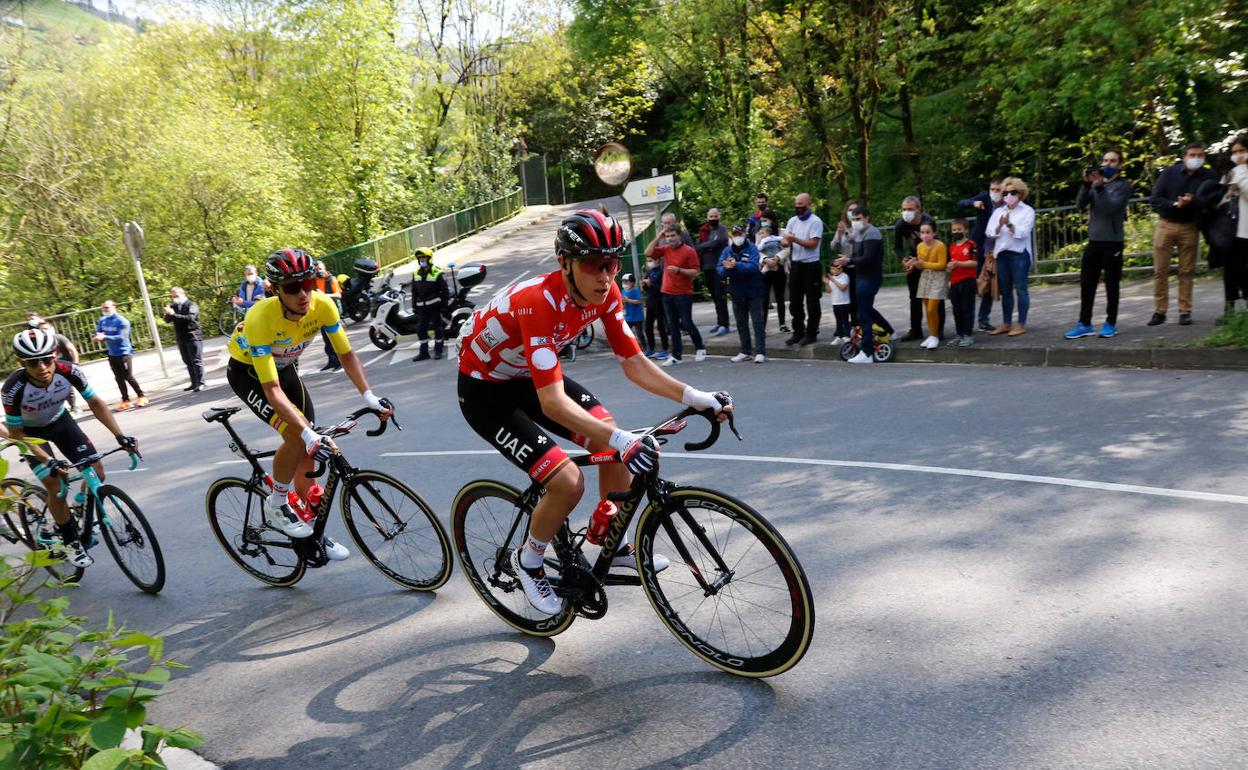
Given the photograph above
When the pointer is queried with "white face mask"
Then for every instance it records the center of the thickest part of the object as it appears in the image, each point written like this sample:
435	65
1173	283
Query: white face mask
1194	164
859	225
908	215
652	263
994	196
252	278
738	241
1240	158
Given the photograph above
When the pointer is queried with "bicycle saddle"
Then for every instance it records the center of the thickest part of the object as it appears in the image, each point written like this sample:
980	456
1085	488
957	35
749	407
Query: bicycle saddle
219	413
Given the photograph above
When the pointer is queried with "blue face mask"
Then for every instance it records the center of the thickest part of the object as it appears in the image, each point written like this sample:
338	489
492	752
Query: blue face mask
1109	172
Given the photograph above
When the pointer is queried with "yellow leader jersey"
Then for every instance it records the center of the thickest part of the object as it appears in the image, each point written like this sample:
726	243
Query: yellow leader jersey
269	341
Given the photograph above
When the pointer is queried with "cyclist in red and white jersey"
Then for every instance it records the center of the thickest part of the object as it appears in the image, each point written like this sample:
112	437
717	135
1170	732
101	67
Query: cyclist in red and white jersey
513	392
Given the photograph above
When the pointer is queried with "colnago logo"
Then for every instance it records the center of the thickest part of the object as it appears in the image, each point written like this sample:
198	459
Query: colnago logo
619	524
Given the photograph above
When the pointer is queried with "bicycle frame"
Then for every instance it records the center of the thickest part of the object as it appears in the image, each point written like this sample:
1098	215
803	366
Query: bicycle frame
92	501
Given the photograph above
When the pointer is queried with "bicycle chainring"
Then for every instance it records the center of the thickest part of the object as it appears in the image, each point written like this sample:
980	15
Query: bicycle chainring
587	594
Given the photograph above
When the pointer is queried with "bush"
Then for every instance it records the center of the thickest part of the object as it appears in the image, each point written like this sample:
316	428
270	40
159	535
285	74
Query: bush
1234	333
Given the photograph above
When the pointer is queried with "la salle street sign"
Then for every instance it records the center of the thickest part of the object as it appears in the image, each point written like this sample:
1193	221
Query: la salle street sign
656	189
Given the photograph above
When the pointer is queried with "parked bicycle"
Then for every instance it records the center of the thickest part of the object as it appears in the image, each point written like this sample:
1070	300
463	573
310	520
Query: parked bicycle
734	594
230	317
393	527
104	509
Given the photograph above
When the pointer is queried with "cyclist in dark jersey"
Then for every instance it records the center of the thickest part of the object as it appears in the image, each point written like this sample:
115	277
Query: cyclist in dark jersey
512	389
34	405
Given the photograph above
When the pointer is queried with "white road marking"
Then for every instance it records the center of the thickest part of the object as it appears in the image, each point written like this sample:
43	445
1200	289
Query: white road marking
1104	486
513	281
230	462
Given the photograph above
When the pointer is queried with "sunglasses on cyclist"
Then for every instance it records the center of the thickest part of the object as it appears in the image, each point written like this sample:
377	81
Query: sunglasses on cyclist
610	265
35	363
306	285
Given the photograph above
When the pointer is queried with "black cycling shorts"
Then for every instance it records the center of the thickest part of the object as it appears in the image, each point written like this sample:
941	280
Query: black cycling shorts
64	434
509	416
246	385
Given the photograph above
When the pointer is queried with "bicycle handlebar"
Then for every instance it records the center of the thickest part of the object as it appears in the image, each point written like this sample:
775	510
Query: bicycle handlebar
347	425
86	461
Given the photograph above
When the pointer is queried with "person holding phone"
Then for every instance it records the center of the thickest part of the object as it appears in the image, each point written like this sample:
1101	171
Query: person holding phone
1174	200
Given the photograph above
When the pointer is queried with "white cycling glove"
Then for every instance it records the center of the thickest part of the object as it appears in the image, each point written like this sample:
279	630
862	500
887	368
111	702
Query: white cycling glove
700	399
372	401
639	452
318	447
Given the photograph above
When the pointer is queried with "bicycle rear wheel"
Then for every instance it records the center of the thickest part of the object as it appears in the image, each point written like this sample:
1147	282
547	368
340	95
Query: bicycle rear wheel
758	619
236	513
12	490
396	531
31	514
130	539
486	524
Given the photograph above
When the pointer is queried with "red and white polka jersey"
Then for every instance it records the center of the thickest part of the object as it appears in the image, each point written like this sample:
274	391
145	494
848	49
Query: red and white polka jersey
520	332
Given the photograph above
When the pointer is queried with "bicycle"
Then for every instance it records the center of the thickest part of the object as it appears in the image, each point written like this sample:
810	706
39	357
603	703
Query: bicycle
16	494
102	508
726	560
883	344
230	317
235	508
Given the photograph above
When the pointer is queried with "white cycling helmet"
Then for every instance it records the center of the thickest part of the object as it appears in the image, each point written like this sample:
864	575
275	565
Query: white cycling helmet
34	343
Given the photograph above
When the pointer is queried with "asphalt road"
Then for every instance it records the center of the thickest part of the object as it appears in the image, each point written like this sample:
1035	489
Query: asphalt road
963	621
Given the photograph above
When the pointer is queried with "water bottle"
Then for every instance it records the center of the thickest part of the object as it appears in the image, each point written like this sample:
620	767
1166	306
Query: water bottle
600	522
297	505
315	493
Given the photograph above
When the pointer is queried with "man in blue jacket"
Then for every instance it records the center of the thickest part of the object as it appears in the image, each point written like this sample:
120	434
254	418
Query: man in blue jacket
739	265
114	330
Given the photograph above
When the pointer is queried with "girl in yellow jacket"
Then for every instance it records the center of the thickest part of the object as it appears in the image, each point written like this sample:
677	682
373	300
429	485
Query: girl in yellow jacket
932	257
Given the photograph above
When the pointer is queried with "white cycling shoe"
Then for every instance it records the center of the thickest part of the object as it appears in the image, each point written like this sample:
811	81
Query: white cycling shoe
286	520
76	554
626	558
334	550
537	588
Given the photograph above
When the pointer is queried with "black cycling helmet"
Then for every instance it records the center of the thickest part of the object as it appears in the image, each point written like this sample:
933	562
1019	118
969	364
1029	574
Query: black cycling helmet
288	266
589	233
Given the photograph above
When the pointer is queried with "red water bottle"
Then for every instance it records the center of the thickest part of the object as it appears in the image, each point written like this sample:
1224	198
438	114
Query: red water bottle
315	493
600	522
298	506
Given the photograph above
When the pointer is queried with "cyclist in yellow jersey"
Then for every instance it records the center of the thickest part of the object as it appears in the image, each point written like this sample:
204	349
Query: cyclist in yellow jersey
262	372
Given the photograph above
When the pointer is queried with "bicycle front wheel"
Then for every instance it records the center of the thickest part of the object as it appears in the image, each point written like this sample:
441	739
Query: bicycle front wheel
396	531
735	594
236	514
227	321
13	491
131	540
487	522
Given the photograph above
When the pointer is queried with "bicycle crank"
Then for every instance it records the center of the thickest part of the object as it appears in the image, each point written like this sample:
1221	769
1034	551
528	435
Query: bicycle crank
578	585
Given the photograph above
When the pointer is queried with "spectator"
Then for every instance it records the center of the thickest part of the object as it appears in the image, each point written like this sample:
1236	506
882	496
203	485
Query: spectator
430	295
962	273
114	330
327	284
712	239
1105	194
838	287
650	283
1235	269
1011	226
867	257
680	266
775	270
802	235
183	314
763	216
1174	200
250	291
740	265
984	204
842	246
932	258
634	312
669	220
905	245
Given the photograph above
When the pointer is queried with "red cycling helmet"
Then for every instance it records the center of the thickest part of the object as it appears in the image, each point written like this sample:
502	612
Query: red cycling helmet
589	233
288	266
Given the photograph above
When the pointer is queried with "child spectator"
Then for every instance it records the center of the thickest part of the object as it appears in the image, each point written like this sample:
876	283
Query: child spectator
775	270
838	287
634	313
963	255
933	286
650	283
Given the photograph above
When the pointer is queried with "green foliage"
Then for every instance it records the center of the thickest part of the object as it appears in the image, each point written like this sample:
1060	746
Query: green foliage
1234	333
69	692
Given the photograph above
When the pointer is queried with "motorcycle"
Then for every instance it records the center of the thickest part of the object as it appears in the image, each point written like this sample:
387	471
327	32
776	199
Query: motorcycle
358	298
393	322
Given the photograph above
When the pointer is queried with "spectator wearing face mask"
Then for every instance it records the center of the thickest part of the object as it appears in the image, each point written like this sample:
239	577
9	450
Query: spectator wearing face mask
962	267
905	245
113	329
250	291
867	257
739	265
183	313
1012	226
775	270
984	204
669	220
712	238
430	295
651	280
763	216
1174	200
1235	275
1104	194
803	235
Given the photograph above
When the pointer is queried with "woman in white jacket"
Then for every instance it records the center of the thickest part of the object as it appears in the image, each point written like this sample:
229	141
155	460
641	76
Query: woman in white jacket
1011	225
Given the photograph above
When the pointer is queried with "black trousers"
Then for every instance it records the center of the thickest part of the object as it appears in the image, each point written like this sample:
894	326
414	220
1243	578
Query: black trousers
917	309
719	295
805	288
192	352
1235	274
1100	257
429	318
962	297
776	281
654	312
122	374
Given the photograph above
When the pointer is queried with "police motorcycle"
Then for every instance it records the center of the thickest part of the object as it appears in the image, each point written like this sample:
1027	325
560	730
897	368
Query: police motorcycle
359	299
393	322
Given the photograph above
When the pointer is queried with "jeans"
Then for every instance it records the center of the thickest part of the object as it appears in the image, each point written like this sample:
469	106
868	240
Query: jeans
805	288
962	297
1012	270
747	311
866	289
1098	257
679	310
715	285
192	355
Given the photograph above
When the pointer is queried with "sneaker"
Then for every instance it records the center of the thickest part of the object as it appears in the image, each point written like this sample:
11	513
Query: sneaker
671	361
141	401
809	339
984	326
76	554
760	359
661	355
287	521
334	550
966	341
931	343
626	558
1108	330
1157	320
911	336
699	355
1185	319
785	329
953	342
1081	330
863	357
738	358
649	353
536	587
123	406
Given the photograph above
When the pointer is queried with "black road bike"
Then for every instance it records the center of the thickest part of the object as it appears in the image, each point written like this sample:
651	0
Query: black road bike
392	526
734	594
